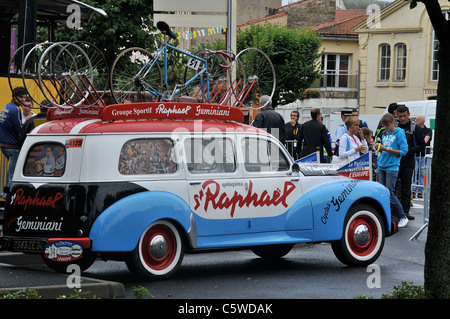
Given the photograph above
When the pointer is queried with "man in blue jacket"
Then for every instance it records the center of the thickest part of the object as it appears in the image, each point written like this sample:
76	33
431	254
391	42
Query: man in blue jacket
10	126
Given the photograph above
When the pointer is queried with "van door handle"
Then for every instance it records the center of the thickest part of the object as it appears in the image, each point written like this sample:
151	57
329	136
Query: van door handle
295	179
195	183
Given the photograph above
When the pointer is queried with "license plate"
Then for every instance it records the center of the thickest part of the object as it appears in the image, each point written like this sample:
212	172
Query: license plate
28	245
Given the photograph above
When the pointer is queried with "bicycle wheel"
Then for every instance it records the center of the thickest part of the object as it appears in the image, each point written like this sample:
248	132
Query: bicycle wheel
69	71
255	77
100	69
217	74
22	71
133	80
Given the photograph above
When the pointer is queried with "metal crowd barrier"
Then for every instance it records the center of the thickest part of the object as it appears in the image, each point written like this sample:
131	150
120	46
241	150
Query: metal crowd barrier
426	192
291	146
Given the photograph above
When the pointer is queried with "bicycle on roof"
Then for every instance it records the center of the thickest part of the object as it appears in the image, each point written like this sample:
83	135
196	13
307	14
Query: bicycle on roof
210	76
137	76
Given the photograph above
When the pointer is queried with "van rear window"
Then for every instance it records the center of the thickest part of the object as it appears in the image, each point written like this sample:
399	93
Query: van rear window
45	159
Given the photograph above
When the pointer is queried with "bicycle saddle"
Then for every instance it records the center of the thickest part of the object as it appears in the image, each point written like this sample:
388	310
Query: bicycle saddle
165	29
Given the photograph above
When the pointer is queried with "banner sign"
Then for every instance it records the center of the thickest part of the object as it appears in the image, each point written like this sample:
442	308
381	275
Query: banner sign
360	168
172	110
311	158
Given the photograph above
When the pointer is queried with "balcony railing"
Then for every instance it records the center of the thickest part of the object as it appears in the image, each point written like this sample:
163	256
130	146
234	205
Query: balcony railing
335	80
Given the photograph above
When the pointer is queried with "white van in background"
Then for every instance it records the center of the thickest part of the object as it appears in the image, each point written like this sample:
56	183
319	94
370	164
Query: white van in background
425	107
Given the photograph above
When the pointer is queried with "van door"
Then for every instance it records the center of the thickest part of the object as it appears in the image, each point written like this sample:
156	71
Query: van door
273	189
216	185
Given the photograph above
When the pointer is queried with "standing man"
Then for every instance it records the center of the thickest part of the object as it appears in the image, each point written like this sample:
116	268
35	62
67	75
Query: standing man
292	133
314	137
10	126
416	144
420	159
270	120
27	113
362	123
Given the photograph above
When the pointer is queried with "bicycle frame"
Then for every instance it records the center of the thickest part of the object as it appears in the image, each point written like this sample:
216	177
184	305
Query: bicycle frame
163	51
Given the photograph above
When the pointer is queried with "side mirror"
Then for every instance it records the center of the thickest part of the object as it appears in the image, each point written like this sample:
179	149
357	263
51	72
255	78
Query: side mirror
295	168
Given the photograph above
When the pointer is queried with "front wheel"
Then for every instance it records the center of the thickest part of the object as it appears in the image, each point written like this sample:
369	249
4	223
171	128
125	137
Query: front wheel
159	252
363	237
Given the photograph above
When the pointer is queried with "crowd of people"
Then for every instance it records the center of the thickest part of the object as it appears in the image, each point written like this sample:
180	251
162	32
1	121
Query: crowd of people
398	146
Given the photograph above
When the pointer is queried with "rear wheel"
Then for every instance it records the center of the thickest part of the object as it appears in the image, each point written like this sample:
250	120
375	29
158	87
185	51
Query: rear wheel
363	238
159	252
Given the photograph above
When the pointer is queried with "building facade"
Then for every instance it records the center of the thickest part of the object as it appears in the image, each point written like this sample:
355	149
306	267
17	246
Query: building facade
397	52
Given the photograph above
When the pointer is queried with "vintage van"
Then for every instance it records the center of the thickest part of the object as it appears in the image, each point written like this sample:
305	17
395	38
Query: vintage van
146	183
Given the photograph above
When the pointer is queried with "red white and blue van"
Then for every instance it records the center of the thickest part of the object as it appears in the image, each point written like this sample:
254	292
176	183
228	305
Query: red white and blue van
148	182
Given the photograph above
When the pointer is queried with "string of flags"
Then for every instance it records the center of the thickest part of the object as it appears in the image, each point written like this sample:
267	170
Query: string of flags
187	35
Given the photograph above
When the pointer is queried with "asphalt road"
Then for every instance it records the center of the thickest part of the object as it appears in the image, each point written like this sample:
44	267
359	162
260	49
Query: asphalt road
308	271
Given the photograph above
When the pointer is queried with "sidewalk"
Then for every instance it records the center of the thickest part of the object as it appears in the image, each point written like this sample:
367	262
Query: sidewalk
18	271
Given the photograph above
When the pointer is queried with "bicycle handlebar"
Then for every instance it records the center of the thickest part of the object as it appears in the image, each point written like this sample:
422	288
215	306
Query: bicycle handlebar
227	56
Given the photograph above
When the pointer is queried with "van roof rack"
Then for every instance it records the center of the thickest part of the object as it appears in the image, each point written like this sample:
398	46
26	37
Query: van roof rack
150	111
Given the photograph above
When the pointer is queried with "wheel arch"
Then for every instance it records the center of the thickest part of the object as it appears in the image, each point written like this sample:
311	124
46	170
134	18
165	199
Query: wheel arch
120	226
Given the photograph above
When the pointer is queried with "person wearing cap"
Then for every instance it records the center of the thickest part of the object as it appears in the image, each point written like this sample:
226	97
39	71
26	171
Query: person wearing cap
10	126
341	129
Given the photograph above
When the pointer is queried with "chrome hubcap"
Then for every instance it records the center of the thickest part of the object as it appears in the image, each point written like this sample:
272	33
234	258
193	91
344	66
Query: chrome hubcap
159	247
362	235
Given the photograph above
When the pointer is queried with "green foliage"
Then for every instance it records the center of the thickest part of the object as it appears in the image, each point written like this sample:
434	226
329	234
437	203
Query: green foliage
295	54
128	24
25	293
76	294
407	291
140	292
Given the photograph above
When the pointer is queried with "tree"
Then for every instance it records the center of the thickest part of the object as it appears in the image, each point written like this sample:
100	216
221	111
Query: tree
294	53
128	24
437	248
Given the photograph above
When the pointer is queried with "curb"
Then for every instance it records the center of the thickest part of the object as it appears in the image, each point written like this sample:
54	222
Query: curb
24	262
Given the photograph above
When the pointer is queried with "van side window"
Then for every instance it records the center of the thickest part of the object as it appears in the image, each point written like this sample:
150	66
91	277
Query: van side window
262	155
45	159
210	155
147	156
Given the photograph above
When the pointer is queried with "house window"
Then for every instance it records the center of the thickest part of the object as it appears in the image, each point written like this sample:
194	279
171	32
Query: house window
335	70
434	53
385	62
400	62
